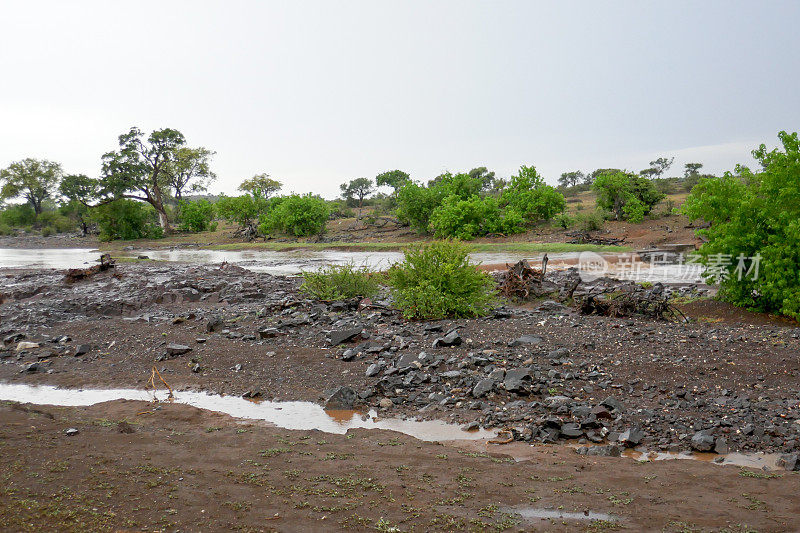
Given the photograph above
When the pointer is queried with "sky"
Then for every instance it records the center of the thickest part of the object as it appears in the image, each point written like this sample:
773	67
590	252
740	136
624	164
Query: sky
316	93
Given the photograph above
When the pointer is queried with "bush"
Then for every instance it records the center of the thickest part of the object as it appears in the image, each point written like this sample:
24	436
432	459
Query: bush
196	216
296	215
591	221
531	198
754	214
127	219
18	215
244	211
474	217
629	197
563	221
5	229
55	222
415	205
436	280
339	282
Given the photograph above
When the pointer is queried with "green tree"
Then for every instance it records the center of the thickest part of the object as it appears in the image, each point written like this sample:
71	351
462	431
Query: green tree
754	215
79	190
245	211
571	179
657	167
395	179
531	197
189	170
127	219
35	180
137	171
197	216
627	196
261	186
358	188
692	170
297	215
485	176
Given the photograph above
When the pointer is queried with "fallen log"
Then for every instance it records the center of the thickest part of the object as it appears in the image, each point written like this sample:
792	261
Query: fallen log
77	274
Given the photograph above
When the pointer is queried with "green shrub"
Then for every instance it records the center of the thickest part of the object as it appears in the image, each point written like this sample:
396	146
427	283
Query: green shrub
437	280
18	215
47	231
339	209
591	220
5	229
340	282
563	221
296	215
127	219
531	198
244	211
627	196
754	214
415	205
473	217
55	222
196	216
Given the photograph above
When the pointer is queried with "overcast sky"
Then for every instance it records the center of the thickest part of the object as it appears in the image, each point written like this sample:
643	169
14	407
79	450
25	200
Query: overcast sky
318	92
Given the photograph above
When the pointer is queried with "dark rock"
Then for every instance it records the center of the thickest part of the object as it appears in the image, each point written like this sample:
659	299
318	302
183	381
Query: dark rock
268	333
215	324
515	379
177	349
342	398
702	442
483	387
631	437
608	450
571	430
789	461
374	369
613	404
408	361
343	335
525	340
82	349
451	339
553	307
450	374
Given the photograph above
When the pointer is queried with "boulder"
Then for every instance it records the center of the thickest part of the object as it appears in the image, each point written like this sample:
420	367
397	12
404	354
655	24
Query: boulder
177	349
343	335
608	450
342	398
453	338
268	333
789	461
525	340
702	442
631	437
82	349
483	387
25	345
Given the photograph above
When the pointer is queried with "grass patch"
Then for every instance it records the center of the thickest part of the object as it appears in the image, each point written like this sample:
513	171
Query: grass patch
340	282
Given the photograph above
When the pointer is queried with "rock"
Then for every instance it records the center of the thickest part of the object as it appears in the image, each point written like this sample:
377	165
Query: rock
374	369
721	446
408	361
33	367
25	345
613	404
343	335
553	307
196	368
450	374
451	339
525	340
386	403
268	333
215	324
342	398
789	461
608	450
483	387
631	437
702	442
70	432
515	379
601	411
82	349
571	430
177	349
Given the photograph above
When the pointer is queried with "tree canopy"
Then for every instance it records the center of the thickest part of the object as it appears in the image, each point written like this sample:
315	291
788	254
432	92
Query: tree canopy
261	186
35	180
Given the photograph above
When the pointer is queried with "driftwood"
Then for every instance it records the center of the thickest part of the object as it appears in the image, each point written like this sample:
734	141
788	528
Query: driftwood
585	237
78	274
521	280
628	301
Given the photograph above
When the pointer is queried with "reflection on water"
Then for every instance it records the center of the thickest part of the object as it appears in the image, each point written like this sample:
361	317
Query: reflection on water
60	258
531	513
287	415
292	262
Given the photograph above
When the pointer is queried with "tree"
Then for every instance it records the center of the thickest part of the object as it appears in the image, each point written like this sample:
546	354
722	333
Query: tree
692	170
261	186
531	198
297	215
628	196
79	190
753	241
571	179
392	178
486	177
592	176
358	188
138	170
189	170
35	180
659	166
244	211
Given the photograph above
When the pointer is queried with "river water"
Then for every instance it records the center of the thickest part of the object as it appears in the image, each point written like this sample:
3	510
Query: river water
620	265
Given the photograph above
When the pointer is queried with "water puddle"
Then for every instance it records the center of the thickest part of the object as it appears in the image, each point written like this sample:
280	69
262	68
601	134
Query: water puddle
286	415
762	461
533	513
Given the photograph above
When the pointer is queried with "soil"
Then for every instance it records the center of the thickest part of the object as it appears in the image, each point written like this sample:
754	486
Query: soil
134	466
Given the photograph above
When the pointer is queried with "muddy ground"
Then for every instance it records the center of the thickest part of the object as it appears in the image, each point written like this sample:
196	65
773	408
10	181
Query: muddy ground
542	375
136	467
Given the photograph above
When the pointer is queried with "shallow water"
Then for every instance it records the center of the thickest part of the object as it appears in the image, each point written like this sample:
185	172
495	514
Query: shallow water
530	513
293	262
287	415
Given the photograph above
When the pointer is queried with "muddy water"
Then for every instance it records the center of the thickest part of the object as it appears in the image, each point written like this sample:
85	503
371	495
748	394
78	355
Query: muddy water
287	415
61	258
533	513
